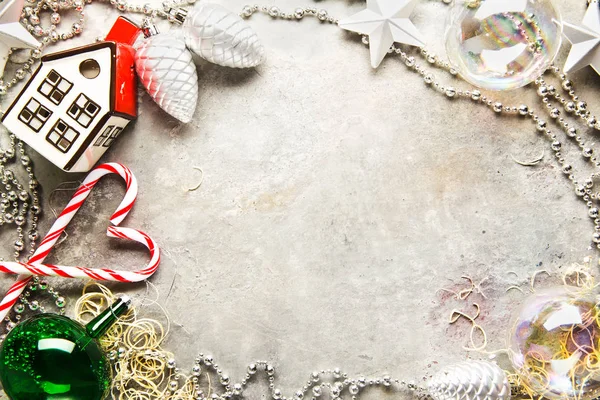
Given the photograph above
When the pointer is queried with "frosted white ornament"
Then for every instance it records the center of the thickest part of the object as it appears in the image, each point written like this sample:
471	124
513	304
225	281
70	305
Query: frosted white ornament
222	37
470	380
165	68
503	44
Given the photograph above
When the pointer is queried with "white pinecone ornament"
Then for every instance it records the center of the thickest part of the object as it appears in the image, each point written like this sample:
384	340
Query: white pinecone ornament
470	380
165	68
222	37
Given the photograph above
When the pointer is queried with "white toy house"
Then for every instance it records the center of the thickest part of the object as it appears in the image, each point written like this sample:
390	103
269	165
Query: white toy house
78	101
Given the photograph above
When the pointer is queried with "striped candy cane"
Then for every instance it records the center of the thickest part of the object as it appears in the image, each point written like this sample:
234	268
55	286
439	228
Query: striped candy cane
35	265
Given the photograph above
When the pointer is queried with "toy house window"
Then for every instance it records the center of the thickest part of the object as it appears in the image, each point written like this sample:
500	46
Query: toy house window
55	87
105	134
108	136
62	136
34	115
113	135
83	110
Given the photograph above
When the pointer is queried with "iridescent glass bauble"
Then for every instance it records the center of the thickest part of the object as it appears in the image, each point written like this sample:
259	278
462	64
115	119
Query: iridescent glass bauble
503	44
555	344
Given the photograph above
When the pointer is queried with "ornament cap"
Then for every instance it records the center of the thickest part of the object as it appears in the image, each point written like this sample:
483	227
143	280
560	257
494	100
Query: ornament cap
149	29
178	15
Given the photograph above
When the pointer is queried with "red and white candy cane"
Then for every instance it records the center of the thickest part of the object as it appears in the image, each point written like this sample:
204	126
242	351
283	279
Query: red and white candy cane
35	265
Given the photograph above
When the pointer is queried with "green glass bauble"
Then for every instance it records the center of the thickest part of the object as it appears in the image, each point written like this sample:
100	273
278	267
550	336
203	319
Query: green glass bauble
51	357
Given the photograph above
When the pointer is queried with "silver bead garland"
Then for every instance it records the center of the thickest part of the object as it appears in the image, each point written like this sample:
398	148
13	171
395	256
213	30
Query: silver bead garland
573	105
18	203
480	375
27	305
321	384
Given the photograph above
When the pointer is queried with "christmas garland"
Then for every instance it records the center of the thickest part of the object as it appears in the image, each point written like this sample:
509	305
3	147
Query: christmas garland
492	44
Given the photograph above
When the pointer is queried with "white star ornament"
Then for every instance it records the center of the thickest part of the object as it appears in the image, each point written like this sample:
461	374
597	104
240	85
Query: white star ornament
585	40
12	33
385	22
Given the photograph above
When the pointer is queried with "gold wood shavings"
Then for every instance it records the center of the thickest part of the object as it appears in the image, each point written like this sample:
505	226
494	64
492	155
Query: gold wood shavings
532	281
475	327
531	163
63	187
193	189
143	369
535	274
465	293
580	275
519	388
513	287
209	384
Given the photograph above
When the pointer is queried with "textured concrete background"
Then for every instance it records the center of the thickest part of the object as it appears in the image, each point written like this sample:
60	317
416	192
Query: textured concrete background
336	201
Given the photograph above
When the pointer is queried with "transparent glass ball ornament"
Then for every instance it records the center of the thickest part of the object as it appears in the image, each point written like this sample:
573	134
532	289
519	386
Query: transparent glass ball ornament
555	344
503	44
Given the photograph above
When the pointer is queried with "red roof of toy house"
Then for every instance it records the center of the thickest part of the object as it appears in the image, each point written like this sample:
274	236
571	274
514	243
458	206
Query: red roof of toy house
124	33
123	95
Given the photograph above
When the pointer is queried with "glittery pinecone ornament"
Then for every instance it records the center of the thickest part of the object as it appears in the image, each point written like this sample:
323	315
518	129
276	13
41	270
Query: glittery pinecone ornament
222	37
165	68
470	380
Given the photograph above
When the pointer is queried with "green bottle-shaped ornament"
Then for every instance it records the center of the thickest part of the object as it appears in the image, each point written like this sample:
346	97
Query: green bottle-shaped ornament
51	357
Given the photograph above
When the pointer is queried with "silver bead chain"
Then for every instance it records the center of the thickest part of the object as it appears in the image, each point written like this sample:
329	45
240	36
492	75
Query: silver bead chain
327	383
572	104
28	303
299	13
31	18
583	189
320	383
335	384
332	383
19	206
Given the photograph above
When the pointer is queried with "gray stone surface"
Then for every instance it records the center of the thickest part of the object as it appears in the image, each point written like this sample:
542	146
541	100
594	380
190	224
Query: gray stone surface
337	200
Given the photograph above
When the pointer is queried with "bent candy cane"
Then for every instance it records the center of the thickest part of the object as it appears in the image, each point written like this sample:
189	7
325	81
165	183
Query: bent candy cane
35	264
